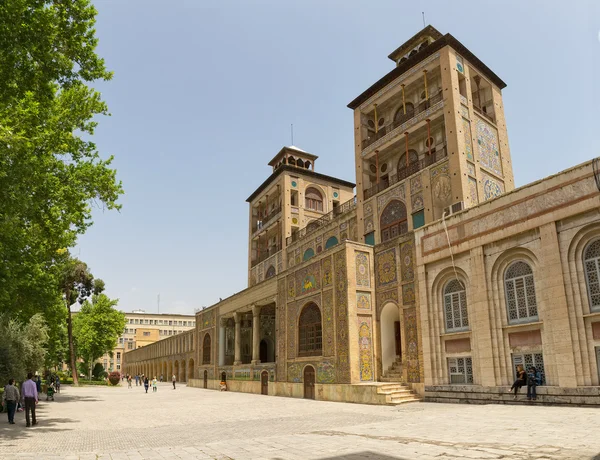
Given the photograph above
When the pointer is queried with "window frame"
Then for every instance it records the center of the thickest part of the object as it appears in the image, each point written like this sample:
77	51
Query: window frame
206	351
467	363
310	334
515	288
312	202
462	299
596	262
537	361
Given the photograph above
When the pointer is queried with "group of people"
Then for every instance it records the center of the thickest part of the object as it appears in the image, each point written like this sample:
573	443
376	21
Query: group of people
12	398
532	379
143	380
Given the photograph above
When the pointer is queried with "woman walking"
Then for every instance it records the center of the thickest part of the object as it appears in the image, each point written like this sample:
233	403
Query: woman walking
146	384
154	385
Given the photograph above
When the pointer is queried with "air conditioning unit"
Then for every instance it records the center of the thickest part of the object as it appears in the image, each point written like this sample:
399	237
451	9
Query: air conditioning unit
454	208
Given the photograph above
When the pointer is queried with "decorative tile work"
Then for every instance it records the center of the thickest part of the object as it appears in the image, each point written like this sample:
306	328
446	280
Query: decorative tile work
294	372
471	169
290	259
291	287
491	187
291	330
416	201
441	185
363	301
363	274
412	343
386	267
328	327
308	279
208	319
261	276
280	333
460	66
407	260
408	294
369	227
473	191
279	262
416	184
489	152
365	348
343	226
463	110
368	208
327	272
325	372
441	169
397	192
341	305
467	137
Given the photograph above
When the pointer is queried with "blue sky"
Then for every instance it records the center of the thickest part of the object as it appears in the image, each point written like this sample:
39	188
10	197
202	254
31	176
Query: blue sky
204	93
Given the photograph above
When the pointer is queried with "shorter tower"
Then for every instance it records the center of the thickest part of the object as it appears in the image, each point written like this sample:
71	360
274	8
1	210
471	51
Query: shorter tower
293	198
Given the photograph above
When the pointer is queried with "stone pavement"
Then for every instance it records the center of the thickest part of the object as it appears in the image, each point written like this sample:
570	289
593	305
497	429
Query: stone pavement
189	423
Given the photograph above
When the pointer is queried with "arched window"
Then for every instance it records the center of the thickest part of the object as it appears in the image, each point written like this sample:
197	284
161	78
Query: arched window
400	117
591	258
309	253
521	302
206	349
332	241
310	336
455	307
270	272
313	199
413	157
393	220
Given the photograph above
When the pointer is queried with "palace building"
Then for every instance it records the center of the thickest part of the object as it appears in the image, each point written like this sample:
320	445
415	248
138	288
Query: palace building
435	280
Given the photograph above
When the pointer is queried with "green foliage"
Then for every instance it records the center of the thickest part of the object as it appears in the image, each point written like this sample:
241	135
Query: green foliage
114	377
22	346
98	372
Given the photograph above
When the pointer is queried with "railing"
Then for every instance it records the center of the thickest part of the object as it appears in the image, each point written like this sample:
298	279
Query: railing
316	224
264	255
267	220
403	118
482	111
407	171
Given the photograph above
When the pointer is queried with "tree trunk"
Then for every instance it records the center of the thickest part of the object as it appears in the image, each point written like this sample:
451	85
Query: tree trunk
71	348
91	368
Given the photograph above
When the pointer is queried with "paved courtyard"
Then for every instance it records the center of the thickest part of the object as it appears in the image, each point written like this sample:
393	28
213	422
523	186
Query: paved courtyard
190	423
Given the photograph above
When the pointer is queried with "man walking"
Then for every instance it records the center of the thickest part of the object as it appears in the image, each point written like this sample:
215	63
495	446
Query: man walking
11	397
137	379
30	395
173	379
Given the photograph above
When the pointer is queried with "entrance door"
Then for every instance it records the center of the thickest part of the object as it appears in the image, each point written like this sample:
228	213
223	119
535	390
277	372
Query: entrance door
398	339
263	351
264	383
205	379
309	382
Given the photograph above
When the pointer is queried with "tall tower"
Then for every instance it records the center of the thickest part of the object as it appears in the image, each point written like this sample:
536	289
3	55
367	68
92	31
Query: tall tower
430	138
294	197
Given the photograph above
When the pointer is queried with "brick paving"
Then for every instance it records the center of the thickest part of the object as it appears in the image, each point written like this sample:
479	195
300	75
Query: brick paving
101	423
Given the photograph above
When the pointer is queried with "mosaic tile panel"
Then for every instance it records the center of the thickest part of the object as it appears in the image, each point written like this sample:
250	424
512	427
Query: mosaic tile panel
327	272
416	201
407	260
489	151
463	110
325	372
290	259
412	343
369	227
308	279
397	192
441	169
471	169
363	301
408	294
473	190
441	185
294	372
291	287
491	187
384	297
280	333
365	349
368	208
416	184
385	263
341	306
328	327
291	330
279	262
363	274
467	137
261	275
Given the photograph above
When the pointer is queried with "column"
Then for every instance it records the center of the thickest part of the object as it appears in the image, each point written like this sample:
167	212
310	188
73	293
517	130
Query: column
222	325
255	334
238	338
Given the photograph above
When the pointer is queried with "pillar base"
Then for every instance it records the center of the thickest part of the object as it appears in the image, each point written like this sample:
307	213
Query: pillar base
237	363
255	361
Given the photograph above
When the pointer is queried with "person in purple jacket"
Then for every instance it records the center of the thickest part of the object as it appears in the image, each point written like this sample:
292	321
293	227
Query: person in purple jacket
30	396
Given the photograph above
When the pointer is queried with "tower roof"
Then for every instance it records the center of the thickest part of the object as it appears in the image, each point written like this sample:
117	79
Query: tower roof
428	32
294	151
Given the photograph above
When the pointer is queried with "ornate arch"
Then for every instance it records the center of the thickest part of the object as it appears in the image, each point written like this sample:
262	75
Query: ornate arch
270	273
310	330
393	220
206	348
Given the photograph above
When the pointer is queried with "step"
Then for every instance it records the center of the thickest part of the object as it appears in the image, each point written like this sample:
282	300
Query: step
402	400
392	387
391	379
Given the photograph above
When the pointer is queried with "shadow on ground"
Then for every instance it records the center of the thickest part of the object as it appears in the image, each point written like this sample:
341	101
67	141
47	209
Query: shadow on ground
366	455
46	424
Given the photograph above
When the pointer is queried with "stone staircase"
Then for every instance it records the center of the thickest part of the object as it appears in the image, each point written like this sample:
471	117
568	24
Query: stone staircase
397	393
393	373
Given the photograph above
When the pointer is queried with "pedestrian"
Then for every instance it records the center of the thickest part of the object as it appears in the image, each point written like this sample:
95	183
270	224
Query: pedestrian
521	380
38	384
30	396
10	397
154	385
57	383
534	378
146	384
129	381
161	377
173	380
137	378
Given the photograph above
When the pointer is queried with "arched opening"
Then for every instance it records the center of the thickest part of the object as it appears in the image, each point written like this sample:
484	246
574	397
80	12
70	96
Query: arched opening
270	272
292	161
183	373
264	382
393	220
205	378
300	163
400	116
391	344
455	307
308	254
412	53
519	285
331	242
413	157
206	349
310	337
263	348
191	369
309	382
313	199
591	263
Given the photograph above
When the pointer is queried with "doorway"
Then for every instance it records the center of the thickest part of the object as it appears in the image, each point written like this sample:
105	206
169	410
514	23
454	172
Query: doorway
205	379
264	383
263	351
398	337
309	382
391	337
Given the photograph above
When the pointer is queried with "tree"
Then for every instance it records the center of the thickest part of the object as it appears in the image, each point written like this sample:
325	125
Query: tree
97	328
50	171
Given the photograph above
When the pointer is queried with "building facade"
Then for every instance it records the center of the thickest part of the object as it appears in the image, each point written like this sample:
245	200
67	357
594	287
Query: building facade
436	279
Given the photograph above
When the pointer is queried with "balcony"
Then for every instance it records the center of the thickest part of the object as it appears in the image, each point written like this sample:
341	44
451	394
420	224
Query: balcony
406	172
265	254
483	111
316	224
403	118
265	223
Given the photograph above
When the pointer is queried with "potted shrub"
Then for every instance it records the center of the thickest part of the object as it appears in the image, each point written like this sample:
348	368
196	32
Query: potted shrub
114	377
